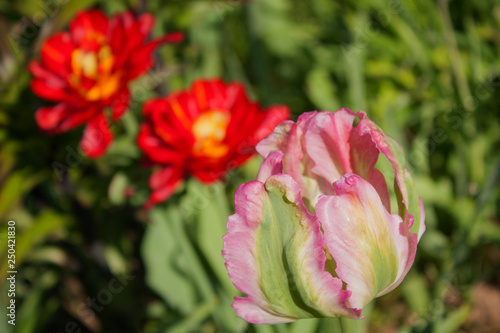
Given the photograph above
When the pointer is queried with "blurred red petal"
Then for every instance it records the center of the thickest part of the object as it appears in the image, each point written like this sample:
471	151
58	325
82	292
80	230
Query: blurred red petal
206	148
78	115
157	150
163	182
96	137
127	19
63	116
173	37
170	123
88	25
40	72
140	59
49	118
126	36
208	176
216	94
56	53
146	22
274	115
139	62
120	104
52	90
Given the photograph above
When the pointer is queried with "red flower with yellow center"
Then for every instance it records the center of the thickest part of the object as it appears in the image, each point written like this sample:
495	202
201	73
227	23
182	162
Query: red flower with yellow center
202	132
88	69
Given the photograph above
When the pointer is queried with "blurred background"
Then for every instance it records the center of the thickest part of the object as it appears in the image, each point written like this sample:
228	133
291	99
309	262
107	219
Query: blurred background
90	259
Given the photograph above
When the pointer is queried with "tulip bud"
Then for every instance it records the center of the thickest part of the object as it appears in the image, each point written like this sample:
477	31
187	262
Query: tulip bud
314	235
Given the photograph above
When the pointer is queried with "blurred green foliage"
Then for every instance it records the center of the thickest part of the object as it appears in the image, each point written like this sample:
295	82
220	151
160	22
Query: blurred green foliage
426	71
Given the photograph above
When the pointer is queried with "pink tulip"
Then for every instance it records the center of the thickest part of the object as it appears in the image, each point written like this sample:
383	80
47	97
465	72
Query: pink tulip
314	235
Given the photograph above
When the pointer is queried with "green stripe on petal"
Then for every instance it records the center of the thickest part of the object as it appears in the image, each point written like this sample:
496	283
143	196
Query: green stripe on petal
287	277
372	248
408	199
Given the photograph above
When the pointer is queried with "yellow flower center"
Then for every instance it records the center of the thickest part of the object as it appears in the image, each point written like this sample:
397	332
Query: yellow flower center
209	131
93	74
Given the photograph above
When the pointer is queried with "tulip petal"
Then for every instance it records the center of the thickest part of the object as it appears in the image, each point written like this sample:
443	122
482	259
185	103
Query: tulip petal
410	205
276	140
421	227
290	139
378	181
287	138
272	165
96	137
327	143
280	138
373	249
274	253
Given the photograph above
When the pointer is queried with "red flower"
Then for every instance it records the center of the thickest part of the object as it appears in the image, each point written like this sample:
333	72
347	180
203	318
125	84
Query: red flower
89	68
202	132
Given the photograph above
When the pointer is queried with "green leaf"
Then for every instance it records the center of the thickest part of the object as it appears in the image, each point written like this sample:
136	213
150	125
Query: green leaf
330	325
67	12
26	322
16	185
435	243
193	321
304	325
4	326
264	329
165	263
453	320
47	224
209	207
437	191
416	293
321	90
212	218
116	190
356	325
